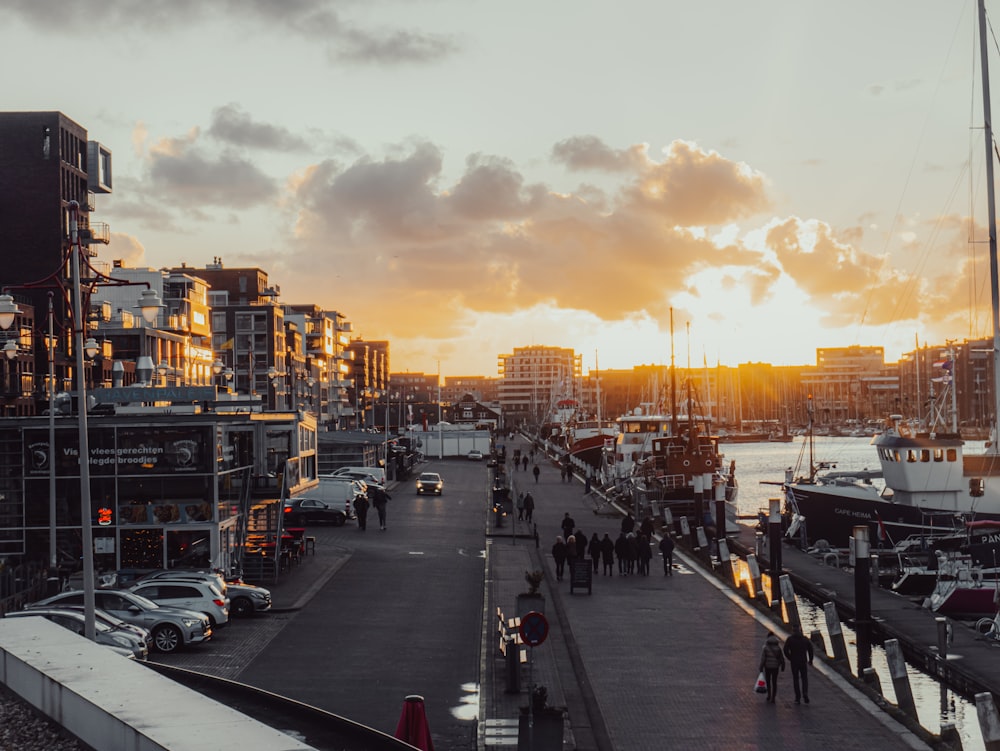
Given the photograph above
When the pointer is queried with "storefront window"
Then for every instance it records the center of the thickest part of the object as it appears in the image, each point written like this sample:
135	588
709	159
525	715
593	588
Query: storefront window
189	548
142	548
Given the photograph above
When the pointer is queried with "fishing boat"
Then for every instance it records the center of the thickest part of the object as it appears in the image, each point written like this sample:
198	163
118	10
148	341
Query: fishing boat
962	590
932	486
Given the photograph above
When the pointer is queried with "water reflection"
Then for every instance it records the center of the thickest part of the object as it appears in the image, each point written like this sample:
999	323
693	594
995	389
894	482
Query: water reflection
468	703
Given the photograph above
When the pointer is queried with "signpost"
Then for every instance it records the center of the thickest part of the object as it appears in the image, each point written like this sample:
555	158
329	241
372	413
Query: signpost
533	629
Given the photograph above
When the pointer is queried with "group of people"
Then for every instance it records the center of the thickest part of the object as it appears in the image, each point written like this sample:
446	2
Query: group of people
525	506
379	499
632	550
799	652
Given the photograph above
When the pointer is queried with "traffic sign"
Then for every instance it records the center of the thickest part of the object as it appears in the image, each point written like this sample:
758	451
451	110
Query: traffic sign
534	628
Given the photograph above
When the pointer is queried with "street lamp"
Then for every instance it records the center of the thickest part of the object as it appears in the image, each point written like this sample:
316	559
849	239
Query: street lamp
149	306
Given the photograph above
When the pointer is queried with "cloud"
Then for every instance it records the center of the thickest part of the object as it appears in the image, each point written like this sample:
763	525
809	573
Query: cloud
232	125
126	248
316	20
183	174
590	153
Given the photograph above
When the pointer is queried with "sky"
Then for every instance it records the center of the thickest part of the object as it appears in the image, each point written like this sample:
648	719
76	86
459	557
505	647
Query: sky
463	177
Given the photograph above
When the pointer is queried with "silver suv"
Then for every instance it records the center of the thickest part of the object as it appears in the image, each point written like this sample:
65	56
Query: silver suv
171	628
199	596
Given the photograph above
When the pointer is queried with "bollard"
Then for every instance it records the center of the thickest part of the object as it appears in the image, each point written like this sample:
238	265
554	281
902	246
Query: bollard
989	721
900	678
790	610
701	542
513	662
685	528
949	735
862	564
819	646
725	562
753	583
774	546
699	499
836	632
942	634
869	676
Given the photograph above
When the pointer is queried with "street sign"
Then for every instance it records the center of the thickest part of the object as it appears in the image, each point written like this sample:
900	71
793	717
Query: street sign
534	628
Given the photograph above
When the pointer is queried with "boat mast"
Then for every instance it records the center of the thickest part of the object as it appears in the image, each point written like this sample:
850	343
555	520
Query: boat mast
673	380
991	214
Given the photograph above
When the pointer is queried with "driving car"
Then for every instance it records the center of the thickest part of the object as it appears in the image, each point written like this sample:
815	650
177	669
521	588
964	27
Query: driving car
116	637
429	482
302	511
475	455
171	628
200	596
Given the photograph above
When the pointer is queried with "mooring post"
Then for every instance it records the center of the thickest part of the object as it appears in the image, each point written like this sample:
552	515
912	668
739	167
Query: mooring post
900	678
819	646
699	499
720	516
753	585
701	541
791	610
836	632
949	734
942	635
774	545
862	586
869	676
989	721
725	564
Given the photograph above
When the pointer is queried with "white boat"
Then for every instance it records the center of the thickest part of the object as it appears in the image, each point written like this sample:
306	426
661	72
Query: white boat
931	484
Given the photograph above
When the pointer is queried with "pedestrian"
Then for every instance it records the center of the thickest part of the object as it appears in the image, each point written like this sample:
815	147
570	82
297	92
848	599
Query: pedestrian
631	552
642	545
628	524
667	549
586	484
571	550
529	506
608	555
520	505
567	524
594	549
799	651
647	527
559	556
361	511
581	544
771	660
379	500
524	463
535	471
620	554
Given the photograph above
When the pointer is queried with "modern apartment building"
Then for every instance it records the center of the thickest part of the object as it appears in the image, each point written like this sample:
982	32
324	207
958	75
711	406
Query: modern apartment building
533	378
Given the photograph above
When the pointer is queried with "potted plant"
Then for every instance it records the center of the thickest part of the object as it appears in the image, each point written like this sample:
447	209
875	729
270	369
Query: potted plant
532	600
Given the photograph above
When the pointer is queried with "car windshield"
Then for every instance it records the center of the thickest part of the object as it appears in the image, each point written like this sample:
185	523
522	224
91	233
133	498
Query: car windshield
427	477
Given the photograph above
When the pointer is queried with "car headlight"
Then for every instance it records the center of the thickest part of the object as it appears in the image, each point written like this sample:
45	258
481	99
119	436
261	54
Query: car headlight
121	641
190	622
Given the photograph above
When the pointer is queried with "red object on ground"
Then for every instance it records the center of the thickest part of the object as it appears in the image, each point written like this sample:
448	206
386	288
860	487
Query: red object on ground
412	726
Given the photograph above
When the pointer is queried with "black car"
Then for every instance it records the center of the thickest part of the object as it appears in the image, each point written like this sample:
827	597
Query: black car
302	511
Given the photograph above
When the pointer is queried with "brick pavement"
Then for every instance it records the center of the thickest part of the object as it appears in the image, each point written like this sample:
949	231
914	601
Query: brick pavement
660	662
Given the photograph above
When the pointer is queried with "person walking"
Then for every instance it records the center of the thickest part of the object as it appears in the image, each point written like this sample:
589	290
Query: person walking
361	511
771	661
524	462
799	651
520	505
608	555
559	556
581	544
567	524
620	553
628	524
631	552
667	550
594	549
529	506
379	500
645	554
536	471
647	527
571	551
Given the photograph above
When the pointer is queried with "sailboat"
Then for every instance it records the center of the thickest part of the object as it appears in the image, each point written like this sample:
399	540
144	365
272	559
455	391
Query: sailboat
932	486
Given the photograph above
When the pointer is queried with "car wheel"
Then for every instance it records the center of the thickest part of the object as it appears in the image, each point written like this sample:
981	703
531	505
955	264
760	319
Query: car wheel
167	639
241	607
339	519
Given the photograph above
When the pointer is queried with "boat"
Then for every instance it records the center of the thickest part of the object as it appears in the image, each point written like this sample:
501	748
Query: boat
962	590
932	486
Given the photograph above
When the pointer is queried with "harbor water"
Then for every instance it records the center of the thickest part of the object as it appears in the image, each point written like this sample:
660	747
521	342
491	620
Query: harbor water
760	463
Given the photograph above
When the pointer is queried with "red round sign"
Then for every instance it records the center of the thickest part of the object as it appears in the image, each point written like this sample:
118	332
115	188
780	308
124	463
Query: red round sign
533	629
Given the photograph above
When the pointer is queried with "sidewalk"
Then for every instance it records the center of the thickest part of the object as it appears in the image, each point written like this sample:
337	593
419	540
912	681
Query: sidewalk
654	662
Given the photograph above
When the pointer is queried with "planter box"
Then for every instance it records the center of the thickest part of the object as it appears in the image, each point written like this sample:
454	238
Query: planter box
527	603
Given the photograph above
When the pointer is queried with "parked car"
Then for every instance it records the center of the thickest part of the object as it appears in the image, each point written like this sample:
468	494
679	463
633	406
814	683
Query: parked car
302	511
430	482
376	472
366	478
171	628
247	599
110	636
200	596
212	577
475	455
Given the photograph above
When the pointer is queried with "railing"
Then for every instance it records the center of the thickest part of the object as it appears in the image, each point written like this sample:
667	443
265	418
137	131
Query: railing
20	585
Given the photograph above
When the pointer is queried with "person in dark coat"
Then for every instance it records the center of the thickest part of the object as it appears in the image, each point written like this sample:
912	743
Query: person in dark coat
571	550
608	555
536	471
529	506
581	544
567	524
667	550
379	500
799	651
559	556
361	511
594	549
647	527
644	554
628	524
771	660
631	552
524	463
620	554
